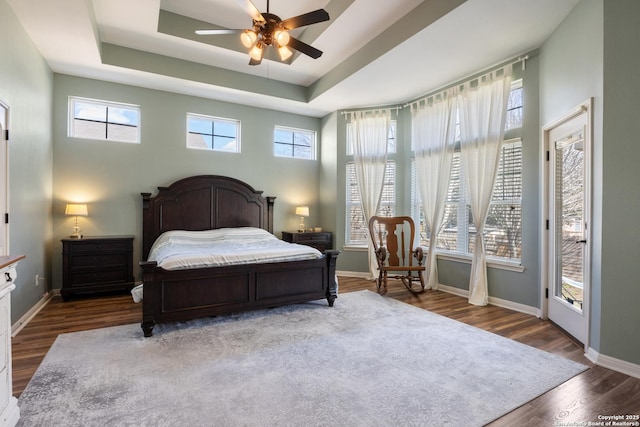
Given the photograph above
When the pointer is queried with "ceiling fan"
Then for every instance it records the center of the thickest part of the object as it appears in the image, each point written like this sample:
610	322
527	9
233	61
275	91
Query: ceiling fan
269	30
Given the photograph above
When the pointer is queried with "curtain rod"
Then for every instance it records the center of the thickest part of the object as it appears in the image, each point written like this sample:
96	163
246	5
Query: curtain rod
471	77
521	59
372	110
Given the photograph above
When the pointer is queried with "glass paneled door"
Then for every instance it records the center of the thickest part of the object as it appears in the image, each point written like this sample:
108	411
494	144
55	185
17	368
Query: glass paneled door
568	242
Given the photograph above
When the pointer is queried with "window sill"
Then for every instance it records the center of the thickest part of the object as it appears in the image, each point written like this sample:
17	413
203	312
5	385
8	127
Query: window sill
355	248
491	262
466	259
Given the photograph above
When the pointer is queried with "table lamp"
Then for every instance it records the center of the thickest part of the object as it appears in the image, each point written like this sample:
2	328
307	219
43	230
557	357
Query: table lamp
76	210
302	211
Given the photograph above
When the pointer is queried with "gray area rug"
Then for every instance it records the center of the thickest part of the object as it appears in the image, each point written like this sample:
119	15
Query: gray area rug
368	361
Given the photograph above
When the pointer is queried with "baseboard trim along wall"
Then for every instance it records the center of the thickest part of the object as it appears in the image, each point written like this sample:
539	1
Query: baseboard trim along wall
26	318
359	274
612	363
534	311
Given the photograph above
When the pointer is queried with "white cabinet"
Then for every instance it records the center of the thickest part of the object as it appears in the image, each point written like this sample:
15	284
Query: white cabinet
9	411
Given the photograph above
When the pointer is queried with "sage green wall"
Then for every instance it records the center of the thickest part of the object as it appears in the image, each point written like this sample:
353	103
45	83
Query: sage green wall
26	85
328	178
620	286
110	176
571	72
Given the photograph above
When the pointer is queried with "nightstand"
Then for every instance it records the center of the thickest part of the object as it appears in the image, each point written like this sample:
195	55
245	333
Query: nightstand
96	264
321	240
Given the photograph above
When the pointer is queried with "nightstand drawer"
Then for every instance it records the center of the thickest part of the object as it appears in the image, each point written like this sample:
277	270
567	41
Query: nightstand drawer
99	261
321	240
98	277
84	247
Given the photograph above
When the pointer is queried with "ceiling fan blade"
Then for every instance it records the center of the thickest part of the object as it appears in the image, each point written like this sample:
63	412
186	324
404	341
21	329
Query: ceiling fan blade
302	47
255	62
314	17
218	31
251	9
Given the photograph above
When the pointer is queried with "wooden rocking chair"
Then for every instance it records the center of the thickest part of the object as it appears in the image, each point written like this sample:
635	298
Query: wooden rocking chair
393	239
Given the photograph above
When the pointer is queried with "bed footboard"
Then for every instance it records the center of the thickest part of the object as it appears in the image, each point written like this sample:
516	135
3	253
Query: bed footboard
180	295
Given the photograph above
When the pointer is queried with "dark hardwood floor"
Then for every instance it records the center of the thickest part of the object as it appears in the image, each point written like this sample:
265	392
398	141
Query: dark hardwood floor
598	391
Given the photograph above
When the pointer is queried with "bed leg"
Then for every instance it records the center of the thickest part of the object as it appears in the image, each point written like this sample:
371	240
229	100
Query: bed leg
147	328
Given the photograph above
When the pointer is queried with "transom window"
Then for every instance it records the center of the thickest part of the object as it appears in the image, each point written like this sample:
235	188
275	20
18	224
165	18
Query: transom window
213	133
103	120
294	143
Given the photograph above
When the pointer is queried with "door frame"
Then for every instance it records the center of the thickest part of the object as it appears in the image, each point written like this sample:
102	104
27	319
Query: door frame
546	281
4	179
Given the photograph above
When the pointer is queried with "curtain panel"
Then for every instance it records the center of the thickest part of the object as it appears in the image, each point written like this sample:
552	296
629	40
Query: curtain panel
482	108
369	133
432	134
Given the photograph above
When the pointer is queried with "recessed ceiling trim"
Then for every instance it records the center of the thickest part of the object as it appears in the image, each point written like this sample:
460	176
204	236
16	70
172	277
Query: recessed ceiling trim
163	65
184	27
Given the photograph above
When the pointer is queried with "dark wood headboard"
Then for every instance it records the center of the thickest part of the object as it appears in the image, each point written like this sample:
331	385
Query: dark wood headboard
203	202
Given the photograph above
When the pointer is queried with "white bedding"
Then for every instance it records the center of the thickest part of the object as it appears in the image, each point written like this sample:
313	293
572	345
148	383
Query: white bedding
179	249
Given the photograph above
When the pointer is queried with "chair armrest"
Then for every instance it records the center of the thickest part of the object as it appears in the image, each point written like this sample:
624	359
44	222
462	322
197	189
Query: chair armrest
418	253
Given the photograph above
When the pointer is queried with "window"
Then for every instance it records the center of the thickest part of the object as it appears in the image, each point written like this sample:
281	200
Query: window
103	120
357	233
356	227
294	143
391	139
503	229
514	107
213	133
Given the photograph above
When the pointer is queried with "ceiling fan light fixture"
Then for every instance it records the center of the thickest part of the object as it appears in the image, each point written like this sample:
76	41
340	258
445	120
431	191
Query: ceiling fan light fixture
269	30
282	37
257	51
248	38
284	52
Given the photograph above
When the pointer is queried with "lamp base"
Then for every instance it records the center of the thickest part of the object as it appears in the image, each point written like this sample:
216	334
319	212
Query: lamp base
76	236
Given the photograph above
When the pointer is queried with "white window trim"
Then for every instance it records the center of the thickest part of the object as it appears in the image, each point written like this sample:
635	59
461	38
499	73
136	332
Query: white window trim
71	118
314	147
215	119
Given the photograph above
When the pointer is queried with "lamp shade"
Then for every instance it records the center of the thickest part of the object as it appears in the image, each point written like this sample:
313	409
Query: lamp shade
76	209
248	38
302	210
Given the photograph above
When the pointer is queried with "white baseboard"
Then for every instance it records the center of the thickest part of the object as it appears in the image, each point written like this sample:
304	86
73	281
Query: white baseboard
453	290
534	311
360	274
498	302
26	318
612	363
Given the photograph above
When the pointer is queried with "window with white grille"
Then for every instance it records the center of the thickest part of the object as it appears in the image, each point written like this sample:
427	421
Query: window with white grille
294	143
213	133
103	120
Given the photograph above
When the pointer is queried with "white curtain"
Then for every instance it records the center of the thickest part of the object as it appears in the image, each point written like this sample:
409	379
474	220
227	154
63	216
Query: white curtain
433	134
483	104
369	133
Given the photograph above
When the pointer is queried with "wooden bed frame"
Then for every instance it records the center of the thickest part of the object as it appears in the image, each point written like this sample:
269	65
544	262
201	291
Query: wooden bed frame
208	202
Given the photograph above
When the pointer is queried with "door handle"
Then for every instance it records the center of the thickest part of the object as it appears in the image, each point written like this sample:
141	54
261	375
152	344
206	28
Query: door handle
581	241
